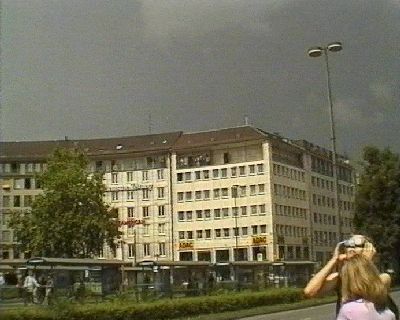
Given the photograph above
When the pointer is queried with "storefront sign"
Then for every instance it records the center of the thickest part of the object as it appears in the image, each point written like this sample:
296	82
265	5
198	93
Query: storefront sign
259	240
130	223
186	245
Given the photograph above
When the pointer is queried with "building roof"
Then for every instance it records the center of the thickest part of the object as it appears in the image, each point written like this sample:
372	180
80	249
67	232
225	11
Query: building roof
39	150
215	137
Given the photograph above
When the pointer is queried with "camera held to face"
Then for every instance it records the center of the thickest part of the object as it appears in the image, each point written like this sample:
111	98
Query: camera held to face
352	243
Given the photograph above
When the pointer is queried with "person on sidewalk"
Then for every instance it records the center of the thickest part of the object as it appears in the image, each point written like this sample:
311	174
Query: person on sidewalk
364	294
30	286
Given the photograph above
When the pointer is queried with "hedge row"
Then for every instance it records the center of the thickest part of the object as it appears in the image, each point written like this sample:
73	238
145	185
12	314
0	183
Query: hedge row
159	310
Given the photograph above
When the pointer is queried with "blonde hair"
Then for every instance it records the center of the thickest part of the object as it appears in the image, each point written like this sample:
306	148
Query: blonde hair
360	280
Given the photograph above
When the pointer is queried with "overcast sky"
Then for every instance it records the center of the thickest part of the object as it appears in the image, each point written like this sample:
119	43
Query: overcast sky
102	68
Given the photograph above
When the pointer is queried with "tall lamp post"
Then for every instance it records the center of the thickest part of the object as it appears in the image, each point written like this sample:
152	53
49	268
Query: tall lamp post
316	52
235	250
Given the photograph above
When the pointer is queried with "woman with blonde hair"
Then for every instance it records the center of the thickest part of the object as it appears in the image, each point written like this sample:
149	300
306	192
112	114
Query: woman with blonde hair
364	294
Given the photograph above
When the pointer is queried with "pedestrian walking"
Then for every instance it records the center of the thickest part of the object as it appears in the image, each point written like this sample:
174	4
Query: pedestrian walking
30	287
2	284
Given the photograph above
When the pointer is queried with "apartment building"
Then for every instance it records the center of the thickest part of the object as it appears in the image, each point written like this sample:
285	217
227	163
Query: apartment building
235	194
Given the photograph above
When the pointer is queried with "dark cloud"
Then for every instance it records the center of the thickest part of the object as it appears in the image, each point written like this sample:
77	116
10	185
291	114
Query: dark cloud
100	68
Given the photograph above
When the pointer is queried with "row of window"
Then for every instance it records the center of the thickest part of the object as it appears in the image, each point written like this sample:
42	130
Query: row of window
291	211
223	232
289	192
221	193
293	174
348	190
18	201
22	168
26	184
117	177
221	213
323	201
326	238
322	183
326	219
290	230
221	173
146	194
148	249
146	211
346	205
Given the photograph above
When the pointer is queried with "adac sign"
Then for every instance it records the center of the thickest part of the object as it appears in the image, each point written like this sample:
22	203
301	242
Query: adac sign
259	240
186	245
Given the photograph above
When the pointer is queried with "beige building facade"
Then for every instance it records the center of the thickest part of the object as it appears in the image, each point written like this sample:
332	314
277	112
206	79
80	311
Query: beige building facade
235	194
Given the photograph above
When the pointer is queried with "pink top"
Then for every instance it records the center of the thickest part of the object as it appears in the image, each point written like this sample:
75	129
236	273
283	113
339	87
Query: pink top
363	310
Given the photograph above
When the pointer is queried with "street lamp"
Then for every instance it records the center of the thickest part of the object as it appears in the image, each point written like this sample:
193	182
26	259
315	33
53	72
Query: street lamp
316	52
235	195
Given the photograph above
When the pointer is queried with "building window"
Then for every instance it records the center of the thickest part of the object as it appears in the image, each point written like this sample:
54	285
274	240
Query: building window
161	211
181	216
226	232
208	233
188	196
198	195
6	201
114	177
114	195
188	176
261	188
161	192
180	196
260	168
217	213
130	195
254	229
253	190
262	208
224	193
199	234
145	175
190	235
252	169
197	175
253	209
243	210
160	174
129	176
146	249
242	170
225	212
207	214
145	194
199	214
216	193
233	172
161	228
28	183
242	191
215	173
206	174
218	233
28	200
180	177
224	173
263	228
131	212
206	194
131	250
181	235
146	229
189	215
244	231
146	212
161	249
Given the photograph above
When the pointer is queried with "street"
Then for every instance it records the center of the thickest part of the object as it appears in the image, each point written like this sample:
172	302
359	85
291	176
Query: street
324	312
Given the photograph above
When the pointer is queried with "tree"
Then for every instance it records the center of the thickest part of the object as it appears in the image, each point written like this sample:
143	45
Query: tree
377	204
70	218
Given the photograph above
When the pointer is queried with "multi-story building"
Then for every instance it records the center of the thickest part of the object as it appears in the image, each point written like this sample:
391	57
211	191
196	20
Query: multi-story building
236	194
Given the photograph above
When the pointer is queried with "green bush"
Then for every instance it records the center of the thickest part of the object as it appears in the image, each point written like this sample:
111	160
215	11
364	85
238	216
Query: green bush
162	309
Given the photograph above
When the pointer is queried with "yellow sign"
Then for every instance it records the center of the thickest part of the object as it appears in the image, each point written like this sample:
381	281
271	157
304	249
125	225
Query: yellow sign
259	240
186	245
